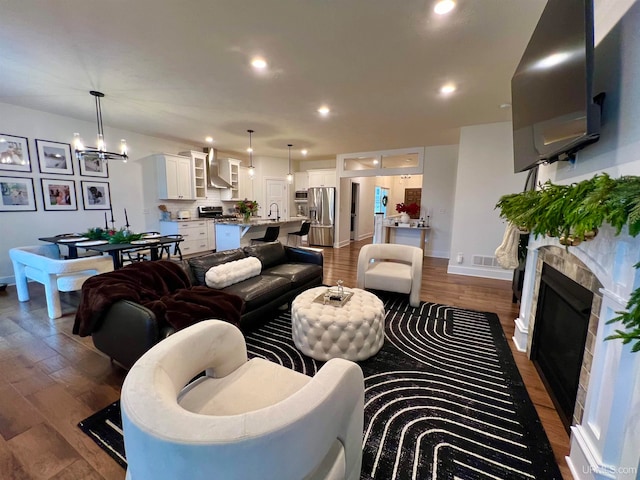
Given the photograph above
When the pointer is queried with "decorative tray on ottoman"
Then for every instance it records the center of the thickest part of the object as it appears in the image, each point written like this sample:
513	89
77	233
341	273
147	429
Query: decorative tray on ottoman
335	296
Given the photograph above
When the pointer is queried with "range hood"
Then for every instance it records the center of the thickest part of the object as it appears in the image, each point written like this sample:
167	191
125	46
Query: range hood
215	180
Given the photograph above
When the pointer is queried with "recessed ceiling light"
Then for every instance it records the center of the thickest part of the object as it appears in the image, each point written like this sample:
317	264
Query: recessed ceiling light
444	6
304	151
375	161
448	88
259	63
324	110
209	139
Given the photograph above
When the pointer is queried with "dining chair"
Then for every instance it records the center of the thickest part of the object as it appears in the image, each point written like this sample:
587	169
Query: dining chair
138	254
304	231
270	235
166	248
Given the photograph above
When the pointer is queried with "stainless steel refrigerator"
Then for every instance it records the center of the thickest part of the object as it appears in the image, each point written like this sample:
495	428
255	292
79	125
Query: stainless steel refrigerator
322	209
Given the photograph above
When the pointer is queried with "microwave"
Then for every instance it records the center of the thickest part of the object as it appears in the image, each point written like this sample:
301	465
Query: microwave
301	196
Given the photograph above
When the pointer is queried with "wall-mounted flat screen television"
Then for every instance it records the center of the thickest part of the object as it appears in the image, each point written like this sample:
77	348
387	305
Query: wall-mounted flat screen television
553	107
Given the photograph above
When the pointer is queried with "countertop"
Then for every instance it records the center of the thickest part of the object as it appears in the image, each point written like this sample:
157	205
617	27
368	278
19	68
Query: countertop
260	222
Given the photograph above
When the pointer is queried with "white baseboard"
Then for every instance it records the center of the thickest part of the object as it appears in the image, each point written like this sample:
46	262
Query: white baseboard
481	272
8	280
365	235
521	335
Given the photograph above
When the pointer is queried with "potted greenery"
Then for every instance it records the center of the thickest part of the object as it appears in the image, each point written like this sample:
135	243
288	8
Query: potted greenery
247	208
573	213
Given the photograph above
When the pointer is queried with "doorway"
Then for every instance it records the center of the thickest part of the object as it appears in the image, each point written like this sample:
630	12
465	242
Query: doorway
355	200
413	195
276	192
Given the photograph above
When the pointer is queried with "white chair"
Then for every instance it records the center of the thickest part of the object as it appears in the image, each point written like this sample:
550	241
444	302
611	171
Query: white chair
244	419
392	268
42	263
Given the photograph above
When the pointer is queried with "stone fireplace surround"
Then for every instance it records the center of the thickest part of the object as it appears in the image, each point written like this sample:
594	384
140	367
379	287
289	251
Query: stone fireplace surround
605	436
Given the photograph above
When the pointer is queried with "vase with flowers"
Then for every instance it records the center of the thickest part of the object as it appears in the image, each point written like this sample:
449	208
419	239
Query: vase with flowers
247	208
407	211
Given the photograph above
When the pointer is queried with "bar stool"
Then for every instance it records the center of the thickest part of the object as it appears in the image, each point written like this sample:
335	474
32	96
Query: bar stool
271	235
304	230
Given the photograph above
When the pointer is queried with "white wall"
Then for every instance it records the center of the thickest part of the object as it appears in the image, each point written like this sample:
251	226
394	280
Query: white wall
125	180
485	172
269	167
438	197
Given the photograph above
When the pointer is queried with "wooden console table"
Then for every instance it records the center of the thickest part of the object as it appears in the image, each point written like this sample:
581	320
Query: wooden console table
422	230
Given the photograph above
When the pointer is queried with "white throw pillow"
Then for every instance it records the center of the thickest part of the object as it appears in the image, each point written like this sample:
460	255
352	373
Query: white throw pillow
229	273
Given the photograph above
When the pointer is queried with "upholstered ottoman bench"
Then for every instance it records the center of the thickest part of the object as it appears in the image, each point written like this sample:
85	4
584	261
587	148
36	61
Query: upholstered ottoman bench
354	331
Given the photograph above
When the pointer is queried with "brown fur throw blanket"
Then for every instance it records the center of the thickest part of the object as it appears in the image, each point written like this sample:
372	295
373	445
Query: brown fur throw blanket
163	287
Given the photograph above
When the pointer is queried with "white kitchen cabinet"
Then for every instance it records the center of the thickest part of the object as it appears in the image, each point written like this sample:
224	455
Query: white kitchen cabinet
230	171
199	160
322	178
301	181
175	176
194	232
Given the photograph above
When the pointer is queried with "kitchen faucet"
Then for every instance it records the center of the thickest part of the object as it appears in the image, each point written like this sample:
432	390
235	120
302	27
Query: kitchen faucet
277	211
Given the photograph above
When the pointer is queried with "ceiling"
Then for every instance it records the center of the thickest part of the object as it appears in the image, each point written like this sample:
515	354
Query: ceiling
181	70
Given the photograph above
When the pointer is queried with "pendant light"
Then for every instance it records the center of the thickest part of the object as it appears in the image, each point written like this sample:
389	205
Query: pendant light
252	169
100	152
289	175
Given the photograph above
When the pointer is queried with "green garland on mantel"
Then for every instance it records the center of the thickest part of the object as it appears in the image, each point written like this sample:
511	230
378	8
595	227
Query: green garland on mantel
573	213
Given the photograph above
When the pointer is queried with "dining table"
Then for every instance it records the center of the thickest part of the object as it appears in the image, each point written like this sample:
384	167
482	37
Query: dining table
73	243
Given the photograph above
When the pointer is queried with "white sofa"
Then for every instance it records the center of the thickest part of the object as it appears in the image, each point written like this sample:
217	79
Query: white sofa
244	419
392	268
43	264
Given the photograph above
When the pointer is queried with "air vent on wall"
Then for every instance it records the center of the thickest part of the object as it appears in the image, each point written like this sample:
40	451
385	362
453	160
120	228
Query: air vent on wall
485	261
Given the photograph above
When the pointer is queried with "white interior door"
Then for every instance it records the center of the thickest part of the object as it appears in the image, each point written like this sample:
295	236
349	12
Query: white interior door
276	193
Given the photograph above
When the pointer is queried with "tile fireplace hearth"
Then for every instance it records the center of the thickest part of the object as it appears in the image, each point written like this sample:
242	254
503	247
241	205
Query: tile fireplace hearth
605	435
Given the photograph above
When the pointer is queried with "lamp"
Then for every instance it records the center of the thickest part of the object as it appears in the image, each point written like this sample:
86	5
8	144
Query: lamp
289	175
100	152
252	169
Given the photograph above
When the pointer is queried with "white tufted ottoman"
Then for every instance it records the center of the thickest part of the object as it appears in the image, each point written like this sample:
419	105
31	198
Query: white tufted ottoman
354	331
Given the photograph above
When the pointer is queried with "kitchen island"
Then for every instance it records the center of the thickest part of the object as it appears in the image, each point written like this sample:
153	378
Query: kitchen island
236	234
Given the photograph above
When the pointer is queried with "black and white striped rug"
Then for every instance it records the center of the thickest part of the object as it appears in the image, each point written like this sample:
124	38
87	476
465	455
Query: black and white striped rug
443	398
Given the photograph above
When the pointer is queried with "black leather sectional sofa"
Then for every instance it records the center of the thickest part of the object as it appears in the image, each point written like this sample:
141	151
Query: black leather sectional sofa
128	329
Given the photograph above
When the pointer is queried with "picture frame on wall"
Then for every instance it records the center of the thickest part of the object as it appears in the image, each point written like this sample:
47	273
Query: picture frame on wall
14	153
59	195
95	195
16	195
93	167
54	157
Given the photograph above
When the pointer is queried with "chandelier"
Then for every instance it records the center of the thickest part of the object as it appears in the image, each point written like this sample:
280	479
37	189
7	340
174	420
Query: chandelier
100	151
252	169
289	175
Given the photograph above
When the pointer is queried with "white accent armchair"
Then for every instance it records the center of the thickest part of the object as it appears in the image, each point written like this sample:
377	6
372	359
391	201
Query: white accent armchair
42	263
244	419
392	268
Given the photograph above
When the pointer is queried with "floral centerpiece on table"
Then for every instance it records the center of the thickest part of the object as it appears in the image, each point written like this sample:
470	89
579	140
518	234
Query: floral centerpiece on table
247	208
411	209
112	236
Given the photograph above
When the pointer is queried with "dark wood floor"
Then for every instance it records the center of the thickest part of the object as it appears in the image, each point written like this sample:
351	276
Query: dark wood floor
51	379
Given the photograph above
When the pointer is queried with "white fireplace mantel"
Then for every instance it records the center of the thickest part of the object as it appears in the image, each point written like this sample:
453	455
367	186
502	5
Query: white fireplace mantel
606	443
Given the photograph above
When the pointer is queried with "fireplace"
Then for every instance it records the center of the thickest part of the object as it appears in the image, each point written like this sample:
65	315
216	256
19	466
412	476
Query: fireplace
605	428
562	322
